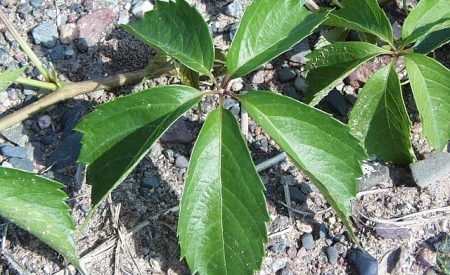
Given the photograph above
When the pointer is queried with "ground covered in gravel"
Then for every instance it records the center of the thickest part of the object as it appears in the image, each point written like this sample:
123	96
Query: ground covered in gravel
83	40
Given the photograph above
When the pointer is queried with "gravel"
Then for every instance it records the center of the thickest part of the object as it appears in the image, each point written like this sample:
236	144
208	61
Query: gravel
431	170
46	34
286	74
141	8
308	241
20	163
332	254
181	162
14	152
363	263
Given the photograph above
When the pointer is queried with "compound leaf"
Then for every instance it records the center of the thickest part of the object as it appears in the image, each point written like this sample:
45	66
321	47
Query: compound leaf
330	64
177	29
9	76
428	16
379	118
117	135
429	82
317	143
432	41
269	28
364	16
38	205
223	215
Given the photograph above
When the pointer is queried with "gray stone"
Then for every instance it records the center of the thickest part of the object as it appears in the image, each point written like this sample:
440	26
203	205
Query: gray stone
24	9
286	74
374	174
234	9
332	255
297	195
178	133
300	84
4	57
14	152
105	4
44	121
91	26
392	232
68	33
46	34
24	164
308	241
16	135
258	77
299	52
337	102
151	181
363	263
8	3
235	110
431	170
124	18
181	162
58	52
279	264
168	153
233	30
36	3
141	8
52	13
67	152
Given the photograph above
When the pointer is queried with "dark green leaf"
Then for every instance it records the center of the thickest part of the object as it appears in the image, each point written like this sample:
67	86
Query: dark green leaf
223	215
9	76
379	118
177	29
269	28
364	16
37	205
428	16
117	135
432	41
430	85
158	65
318	144
329	65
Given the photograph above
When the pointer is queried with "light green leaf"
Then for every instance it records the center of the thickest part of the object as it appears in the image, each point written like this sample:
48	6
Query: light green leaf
432	41
364	16
428	16
223	215
319	145
9	76
430	85
38	205
379	118
269	28
177	29
329	65
117	135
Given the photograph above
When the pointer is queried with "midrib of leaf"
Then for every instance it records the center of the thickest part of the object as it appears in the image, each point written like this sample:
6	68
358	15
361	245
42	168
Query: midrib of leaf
221	187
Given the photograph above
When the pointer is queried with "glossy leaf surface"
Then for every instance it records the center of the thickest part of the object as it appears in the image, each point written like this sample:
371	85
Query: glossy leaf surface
379	118
430	85
319	145
432	41
365	16
117	135
177	29
38	205
223	215
329	65
428	16
9	76
269	28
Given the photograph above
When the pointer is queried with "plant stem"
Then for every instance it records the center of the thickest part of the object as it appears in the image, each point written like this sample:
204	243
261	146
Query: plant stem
405	6
36	83
70	90
25	47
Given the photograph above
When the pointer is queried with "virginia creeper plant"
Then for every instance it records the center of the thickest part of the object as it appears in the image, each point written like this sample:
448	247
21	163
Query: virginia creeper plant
223	219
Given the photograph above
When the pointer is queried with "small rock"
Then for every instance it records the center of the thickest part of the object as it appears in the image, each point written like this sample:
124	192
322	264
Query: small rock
179	132
297	195
235	110
237	86
68	33
299	52
359	77
300	84
374	174
24	9
91	26
332	255
234	9
141	8
20	163
168	153
46	34
58	53
16	135
67	152
104	4
392	232
363	263
124	18
279	264
258	77
303	227
151	181
85	208
229	103
286	74
44	121
426	257
431	170
14	152
36	3
233	30
308	241
320	231
337	102
279	245
181	162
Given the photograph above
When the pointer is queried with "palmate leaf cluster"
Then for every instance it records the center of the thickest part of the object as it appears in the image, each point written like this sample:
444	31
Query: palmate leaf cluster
223	215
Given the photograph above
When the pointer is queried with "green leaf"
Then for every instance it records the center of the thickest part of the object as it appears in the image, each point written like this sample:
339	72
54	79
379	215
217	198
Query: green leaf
187	76
432	41
117	135
428	16
379	118
329	65
269	28
364	16
317	143
177	29
37	205
9	76
223	214
430	85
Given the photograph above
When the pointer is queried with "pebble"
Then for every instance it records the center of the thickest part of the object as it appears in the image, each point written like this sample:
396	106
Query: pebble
16	135
234	9
24	9
426	257
431	170
278	246
300	84
91	26
124	18
141	8
374	174
392	232
68	33
44	121
297	195
14	152
168	153
337	102
332	255
67	152
279	264
303	227
363	263
233	30
308	241
286	74
105	4
299	52
46	34
36	3
178	133
258	77
151	181
58	52
181	162
21	163
85	208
